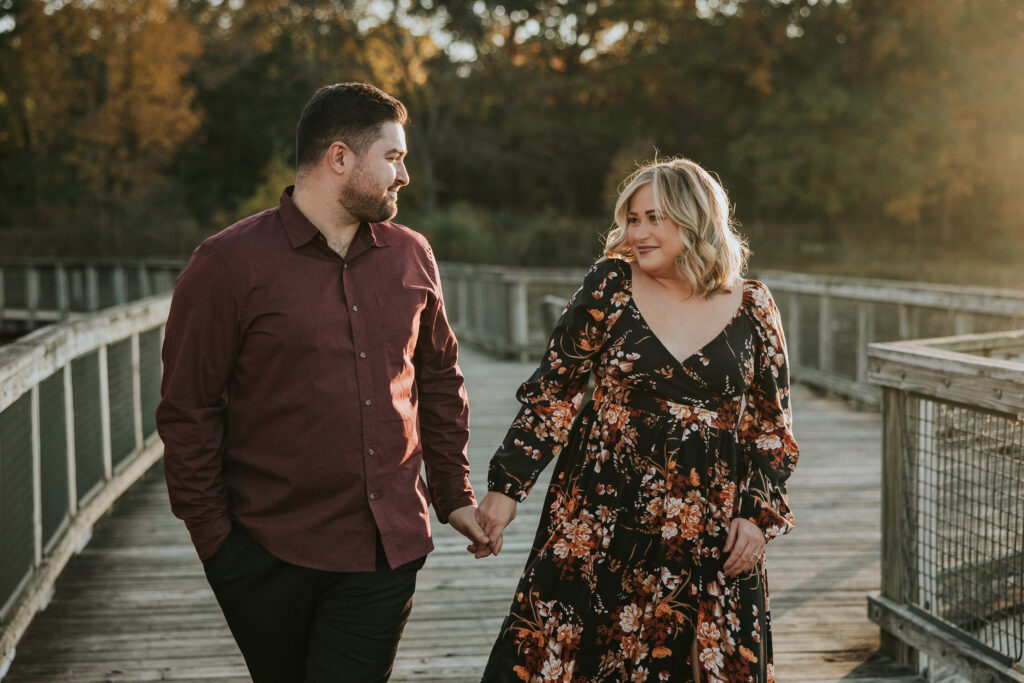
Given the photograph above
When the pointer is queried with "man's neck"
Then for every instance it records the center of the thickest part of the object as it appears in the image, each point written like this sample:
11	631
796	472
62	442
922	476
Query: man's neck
319	205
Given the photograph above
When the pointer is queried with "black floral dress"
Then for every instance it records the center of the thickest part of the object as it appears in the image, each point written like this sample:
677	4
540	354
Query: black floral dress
626	568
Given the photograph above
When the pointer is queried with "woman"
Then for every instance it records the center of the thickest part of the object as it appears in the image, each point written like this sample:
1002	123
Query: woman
648	562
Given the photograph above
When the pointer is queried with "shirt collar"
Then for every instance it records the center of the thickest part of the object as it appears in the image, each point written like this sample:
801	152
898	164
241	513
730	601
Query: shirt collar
301	231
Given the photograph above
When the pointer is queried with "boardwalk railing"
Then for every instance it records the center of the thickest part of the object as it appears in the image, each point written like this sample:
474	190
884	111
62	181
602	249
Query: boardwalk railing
953	503
37	292
77	404
829	321
77	427
501	309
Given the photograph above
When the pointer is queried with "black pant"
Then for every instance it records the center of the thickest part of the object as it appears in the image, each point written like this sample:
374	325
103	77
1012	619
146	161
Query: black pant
299	625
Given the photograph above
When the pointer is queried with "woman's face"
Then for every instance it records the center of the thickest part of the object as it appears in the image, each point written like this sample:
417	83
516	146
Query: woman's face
654	239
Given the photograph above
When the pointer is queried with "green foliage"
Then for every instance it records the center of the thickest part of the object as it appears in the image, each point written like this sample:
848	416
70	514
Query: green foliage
277	175
471	234
172	118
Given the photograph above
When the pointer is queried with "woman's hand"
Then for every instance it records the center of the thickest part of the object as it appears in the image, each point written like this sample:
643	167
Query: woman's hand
493	514
464	521
744	545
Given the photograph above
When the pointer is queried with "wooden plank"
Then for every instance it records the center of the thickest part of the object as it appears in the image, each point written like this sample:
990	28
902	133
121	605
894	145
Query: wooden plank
942	645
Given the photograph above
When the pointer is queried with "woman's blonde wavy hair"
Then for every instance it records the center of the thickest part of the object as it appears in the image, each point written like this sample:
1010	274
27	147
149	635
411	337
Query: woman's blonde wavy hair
715	255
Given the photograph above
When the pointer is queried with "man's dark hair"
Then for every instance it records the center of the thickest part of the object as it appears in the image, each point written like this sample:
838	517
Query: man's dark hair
350	112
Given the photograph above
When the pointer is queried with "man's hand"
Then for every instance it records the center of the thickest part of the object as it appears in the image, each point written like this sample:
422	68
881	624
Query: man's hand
494	514
745	547
464	520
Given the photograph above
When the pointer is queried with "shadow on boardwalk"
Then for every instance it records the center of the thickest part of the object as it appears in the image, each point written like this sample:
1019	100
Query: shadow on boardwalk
134	606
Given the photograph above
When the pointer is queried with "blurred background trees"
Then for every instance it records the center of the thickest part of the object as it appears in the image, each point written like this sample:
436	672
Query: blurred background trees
839	127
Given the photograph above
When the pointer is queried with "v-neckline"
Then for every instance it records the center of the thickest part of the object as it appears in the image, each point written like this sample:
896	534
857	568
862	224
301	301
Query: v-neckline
698	351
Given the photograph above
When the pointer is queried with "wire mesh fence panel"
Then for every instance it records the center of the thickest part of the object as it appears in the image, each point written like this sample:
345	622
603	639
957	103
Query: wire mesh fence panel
132	283
808	332
53	452
885	323
993	323
539	326
85	381
495	312
47	288
17	544
161	279
122	400
78	292
933	322
107	293
15	291
845	339
150	369
963	519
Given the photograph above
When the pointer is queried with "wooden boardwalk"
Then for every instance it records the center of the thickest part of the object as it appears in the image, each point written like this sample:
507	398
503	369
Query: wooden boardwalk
134	606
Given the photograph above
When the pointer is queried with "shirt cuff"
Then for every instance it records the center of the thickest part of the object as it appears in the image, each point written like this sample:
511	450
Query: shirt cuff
498	479
769	521
208	536
446	505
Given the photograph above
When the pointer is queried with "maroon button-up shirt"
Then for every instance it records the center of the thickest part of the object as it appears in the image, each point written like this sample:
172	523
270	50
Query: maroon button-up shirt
302	392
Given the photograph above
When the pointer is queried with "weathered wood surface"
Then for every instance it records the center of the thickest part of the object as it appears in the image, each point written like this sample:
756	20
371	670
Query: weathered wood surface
134	606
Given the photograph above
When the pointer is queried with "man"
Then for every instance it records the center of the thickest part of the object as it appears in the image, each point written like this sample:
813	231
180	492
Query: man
309	371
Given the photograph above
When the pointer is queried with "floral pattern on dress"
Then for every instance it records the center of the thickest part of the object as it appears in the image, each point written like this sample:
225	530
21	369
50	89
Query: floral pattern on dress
626	568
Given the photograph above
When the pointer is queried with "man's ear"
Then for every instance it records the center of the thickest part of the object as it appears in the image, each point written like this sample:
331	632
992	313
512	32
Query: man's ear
340	157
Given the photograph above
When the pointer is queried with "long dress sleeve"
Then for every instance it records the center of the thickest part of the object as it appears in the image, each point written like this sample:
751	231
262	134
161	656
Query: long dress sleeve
552	395
766	429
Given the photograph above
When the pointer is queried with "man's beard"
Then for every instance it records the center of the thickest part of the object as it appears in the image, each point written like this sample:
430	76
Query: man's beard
365	205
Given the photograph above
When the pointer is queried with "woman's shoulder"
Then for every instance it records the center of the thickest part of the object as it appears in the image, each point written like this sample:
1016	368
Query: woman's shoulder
604	283
609	272
758	302
757	295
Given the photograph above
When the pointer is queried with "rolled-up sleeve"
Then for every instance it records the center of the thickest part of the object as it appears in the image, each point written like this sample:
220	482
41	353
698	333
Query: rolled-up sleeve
200	349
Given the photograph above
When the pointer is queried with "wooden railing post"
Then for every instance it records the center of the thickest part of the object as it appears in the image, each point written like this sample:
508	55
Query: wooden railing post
825	354
37	480
63	289
893	491
519	319
792	331
865	331
92	288
32	294
104	380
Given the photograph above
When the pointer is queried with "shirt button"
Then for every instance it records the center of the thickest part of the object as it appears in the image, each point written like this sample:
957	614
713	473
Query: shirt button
354	307
362	354
368	402
370	451
375	495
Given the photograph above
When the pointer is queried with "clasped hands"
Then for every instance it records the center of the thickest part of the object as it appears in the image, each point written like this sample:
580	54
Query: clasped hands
484	526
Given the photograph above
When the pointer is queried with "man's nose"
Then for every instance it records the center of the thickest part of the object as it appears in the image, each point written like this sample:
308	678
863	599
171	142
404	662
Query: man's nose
403	174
